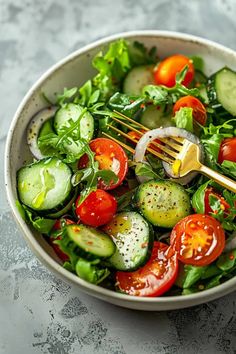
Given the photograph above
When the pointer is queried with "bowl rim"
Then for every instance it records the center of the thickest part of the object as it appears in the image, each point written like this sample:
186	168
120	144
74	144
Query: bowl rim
42	255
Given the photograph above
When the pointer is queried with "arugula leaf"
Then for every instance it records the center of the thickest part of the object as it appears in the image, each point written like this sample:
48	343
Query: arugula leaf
157	94
184	118
91	176
140	55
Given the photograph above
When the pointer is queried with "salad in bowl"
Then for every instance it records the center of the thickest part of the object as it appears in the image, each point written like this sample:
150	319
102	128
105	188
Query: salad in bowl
125	222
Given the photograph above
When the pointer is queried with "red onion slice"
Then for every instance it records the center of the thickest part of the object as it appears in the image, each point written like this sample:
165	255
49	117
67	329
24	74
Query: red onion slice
151	135
34	128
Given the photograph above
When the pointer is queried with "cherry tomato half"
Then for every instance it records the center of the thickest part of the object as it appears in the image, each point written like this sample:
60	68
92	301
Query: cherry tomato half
199	111
137	136
153	279
97	209
110	156
223	204
166	71
227	150
198	239
58	226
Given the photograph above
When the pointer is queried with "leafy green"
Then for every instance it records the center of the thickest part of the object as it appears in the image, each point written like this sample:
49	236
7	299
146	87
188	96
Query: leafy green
184	118
229	168
198	198
66	96
227	260
144	169
112	68
128	105
90	271
41	224
157	94
91	175
140	55
198	62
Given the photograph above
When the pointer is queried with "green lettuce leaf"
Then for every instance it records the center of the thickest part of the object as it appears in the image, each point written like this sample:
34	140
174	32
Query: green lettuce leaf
184	118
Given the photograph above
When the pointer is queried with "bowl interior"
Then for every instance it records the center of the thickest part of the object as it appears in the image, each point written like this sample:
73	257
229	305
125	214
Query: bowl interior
74	71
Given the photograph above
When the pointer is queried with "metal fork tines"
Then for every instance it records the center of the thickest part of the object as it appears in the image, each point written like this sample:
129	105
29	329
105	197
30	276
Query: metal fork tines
167	149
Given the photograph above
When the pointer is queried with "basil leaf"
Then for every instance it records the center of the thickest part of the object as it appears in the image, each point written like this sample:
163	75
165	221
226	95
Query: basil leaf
184	118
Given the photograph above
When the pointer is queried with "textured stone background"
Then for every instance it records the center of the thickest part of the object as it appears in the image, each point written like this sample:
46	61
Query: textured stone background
39	313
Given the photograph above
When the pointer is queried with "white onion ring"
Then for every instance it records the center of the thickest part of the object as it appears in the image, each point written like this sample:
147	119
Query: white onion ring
34	128
231	243
167	132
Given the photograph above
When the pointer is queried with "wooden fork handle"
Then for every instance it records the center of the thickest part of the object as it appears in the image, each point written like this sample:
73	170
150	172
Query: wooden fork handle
226	182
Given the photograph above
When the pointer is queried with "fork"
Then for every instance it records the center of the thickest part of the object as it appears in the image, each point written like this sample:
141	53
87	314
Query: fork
176	151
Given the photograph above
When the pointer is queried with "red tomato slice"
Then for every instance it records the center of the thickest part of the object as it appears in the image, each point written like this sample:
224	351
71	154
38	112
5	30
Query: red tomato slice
155	278
227	150
97	209
198	239
57	226
199	111
223	204
166	71
110	156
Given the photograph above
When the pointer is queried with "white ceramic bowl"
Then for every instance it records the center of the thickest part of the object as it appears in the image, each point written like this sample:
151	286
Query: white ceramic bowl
72	71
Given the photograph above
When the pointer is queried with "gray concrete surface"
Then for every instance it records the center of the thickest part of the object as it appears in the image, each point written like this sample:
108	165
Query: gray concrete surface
39	313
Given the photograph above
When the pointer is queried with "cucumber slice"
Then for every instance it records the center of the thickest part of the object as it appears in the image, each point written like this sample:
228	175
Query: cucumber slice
73	111
45	184
137	78
133	237
222	90
90	242
155	117
162	203
65	209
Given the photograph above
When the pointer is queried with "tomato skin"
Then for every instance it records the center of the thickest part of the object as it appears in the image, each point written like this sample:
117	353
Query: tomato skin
97	209
199	111
155	277
166	71
110	156
223	204
198	239
57	226
227	150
